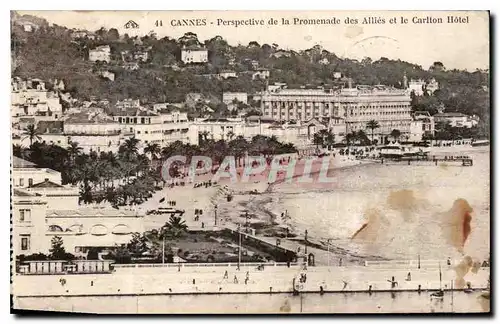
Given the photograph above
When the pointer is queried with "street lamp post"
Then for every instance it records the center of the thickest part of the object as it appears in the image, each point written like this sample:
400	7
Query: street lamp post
305	248
246	221
215	214
163	251
239	246
328	250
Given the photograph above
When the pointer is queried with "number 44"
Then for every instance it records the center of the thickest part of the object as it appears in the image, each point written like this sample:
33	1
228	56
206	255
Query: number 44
158	23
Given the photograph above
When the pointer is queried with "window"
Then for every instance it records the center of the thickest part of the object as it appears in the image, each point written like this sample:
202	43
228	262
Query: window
25	242
30	182
24	215
21	182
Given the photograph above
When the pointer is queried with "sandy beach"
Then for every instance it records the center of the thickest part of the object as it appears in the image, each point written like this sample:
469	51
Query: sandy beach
246	196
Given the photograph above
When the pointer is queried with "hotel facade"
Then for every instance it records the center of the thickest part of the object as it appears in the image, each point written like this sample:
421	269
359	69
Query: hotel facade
43	208
390	107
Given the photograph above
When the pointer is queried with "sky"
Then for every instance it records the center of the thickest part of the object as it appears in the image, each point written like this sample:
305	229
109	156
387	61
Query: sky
457	45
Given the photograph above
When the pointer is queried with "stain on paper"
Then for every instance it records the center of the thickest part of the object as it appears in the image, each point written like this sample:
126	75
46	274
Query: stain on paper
456	224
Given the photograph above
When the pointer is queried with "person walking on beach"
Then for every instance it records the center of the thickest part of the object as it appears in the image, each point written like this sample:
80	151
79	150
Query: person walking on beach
345	284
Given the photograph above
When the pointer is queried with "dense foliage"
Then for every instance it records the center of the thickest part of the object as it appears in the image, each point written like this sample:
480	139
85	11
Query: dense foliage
129	177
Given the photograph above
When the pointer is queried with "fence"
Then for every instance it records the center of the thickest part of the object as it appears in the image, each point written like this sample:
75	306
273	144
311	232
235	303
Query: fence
201	265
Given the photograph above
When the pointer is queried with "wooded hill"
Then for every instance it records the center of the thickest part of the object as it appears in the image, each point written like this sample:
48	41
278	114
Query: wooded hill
50	52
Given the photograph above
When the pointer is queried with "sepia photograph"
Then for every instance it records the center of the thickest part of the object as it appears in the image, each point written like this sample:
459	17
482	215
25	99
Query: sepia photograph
250	162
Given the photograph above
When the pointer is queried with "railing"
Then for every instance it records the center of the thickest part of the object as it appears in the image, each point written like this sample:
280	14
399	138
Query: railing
202	265
413	263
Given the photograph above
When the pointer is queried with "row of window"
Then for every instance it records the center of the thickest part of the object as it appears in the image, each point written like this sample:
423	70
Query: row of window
21	182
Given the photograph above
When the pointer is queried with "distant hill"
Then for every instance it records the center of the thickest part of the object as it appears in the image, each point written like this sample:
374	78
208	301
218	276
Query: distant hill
49	52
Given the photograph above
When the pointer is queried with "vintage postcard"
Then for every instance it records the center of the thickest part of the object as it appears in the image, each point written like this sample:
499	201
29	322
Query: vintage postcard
250	162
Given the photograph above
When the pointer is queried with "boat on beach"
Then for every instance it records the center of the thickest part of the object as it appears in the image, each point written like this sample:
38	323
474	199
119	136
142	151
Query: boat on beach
440	293
398	151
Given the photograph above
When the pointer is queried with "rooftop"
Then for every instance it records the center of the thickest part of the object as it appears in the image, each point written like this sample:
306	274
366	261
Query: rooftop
20	163
22	193
88	118
46	184
50	126
92	212
450	114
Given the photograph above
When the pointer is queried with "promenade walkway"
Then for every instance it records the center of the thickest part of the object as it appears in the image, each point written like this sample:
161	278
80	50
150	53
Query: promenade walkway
228	279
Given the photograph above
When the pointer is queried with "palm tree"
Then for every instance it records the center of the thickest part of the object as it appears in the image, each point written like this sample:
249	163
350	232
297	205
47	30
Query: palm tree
324	138
174	228
32	133
153	150
130	147
73	151
372	125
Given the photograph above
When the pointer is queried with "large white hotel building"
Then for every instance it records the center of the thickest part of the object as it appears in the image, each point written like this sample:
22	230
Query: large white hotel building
390	107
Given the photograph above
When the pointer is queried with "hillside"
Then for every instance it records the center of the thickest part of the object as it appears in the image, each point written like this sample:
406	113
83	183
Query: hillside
49	52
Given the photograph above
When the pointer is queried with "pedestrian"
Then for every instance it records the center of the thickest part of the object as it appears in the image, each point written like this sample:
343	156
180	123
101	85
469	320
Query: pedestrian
202	225
194	281
225	275
248	275
408	277
91	283
345	284
340	262
235	280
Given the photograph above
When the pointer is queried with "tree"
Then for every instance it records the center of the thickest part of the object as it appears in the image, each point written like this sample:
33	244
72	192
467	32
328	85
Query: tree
174	228
32	133
318	139
395	133
324	137
372	125
57	251
73	151
138	244
129	148
437	66
153	150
